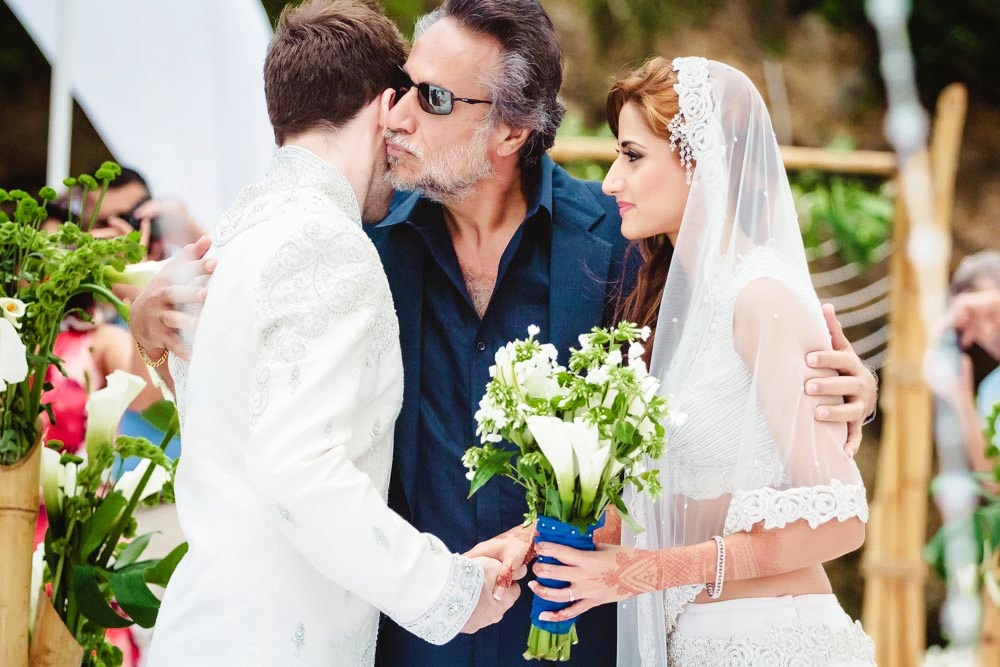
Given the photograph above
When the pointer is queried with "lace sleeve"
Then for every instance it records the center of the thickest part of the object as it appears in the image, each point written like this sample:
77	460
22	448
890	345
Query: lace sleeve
774	327
319	297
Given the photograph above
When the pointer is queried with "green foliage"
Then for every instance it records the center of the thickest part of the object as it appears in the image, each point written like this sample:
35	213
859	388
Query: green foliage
45	271
92	556
849	210
984	522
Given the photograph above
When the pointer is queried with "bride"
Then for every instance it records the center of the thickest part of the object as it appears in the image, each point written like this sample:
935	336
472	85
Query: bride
757	493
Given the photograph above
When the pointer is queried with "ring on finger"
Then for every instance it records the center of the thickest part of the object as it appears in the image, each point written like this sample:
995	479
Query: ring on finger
571	598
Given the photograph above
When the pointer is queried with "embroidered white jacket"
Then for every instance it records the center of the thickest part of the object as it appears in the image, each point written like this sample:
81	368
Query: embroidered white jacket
287	411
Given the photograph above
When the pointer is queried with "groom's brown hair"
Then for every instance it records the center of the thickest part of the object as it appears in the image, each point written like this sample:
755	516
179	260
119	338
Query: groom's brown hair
328	59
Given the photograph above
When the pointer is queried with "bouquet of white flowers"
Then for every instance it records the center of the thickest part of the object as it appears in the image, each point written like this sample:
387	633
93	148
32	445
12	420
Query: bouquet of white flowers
579	435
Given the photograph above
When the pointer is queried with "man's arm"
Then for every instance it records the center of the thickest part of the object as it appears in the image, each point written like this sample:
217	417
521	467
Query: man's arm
310	370
855	383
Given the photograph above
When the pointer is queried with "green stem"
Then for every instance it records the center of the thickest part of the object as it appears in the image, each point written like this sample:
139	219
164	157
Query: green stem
115	534
62	559
97	206
108	296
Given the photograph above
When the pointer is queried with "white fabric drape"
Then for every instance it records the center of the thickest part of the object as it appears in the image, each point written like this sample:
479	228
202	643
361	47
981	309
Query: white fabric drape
174	88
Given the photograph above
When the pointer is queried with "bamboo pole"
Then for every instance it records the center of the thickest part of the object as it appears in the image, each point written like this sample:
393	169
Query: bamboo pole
18	513
574	149
894	605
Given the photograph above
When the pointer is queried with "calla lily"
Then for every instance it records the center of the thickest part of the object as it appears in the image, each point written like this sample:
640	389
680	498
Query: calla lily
12	310
13	355
555	439
128	482
37	573
52	477
591	458
137	275
106	406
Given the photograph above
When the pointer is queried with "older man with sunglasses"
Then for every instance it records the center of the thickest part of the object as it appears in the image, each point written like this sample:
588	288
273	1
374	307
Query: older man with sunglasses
488	237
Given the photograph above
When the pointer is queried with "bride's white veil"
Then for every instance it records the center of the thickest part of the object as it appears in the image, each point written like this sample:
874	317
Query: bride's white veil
739	228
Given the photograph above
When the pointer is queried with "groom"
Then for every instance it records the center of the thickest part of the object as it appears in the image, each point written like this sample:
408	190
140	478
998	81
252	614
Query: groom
295	379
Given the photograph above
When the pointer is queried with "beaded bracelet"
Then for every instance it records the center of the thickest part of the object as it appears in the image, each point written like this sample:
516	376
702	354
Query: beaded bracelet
715	592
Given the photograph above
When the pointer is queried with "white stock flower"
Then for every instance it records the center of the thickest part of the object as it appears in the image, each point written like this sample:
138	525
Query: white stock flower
597	376
555	439
584	340
106	406
533	330
614	358
647	428
540	384
128	482
645	333
137	275
12	309
13	355
635	351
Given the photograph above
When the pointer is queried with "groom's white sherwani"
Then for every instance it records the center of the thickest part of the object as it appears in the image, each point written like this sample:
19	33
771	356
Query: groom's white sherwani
287	413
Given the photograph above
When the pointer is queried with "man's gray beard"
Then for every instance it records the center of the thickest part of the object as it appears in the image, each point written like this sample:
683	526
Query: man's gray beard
451	175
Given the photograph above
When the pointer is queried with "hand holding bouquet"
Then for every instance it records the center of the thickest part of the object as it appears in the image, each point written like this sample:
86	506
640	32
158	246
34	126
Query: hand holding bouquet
579	436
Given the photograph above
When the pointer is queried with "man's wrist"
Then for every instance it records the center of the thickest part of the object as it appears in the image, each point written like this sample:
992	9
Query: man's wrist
874	409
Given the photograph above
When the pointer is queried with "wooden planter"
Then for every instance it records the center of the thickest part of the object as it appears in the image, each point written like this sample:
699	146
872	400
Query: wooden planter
19	485
52	645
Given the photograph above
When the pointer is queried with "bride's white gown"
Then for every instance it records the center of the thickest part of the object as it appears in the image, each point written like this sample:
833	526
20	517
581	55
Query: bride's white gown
287	411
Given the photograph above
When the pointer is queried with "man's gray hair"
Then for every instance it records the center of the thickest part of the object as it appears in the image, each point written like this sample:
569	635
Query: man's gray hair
524	87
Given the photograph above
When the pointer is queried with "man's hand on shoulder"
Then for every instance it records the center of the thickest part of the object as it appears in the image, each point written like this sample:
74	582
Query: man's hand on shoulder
855	383
157	318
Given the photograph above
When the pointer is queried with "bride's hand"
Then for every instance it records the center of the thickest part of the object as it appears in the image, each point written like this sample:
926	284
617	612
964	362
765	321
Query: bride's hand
609	574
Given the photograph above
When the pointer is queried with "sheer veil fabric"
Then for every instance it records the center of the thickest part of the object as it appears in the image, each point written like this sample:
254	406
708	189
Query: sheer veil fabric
738	316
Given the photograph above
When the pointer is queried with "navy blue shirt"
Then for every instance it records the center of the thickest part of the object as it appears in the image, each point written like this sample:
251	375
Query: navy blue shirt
460	348
447	352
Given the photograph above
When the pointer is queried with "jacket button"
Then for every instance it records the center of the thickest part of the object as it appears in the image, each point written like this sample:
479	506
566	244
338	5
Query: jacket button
481	346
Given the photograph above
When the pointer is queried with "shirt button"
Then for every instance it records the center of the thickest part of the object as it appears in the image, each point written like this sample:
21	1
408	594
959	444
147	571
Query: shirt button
481	346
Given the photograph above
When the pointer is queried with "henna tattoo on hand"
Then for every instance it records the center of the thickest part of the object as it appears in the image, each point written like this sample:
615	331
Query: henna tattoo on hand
642	571
753	555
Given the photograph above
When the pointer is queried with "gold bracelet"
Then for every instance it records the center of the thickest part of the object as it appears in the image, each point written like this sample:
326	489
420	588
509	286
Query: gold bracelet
145	357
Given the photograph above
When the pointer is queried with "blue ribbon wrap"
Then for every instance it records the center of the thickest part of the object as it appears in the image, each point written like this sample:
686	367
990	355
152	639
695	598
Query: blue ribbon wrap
558	532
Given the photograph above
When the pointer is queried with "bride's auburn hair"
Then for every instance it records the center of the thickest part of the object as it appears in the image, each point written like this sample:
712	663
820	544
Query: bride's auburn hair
651	89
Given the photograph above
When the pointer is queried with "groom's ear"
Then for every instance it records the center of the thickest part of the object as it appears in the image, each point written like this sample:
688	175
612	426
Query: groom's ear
511	139
385	103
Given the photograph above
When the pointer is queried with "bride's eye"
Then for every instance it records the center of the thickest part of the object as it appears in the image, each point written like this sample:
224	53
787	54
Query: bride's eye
632	155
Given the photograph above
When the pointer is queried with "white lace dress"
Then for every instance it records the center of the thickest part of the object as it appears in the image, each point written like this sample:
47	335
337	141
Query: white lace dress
729	472
287	411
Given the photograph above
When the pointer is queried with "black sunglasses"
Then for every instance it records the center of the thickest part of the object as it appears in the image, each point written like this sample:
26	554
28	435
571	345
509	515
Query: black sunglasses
433	99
